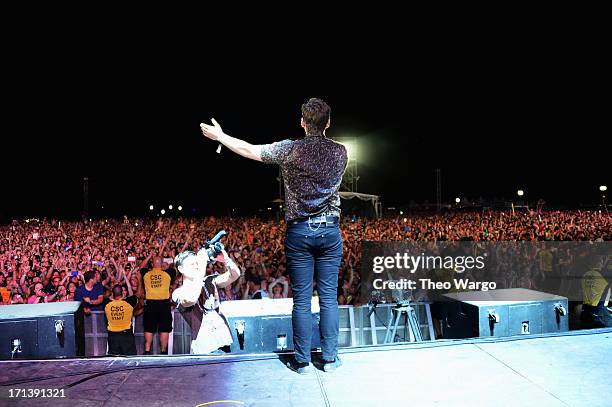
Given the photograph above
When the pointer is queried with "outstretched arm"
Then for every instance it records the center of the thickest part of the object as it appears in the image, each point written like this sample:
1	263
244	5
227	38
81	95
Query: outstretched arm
232	272
127	283
238	146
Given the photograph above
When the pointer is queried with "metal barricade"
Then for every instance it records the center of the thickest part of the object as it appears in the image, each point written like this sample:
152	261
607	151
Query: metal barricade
356	329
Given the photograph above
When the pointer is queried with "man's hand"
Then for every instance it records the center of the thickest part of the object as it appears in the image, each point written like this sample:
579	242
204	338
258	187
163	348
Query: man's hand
224	257
213	132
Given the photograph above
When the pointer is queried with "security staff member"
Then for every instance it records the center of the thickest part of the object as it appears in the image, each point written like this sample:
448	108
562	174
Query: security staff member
119	313
157	317
596	298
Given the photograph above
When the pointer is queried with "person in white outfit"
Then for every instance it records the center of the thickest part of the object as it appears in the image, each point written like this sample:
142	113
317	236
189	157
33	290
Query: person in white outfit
198	300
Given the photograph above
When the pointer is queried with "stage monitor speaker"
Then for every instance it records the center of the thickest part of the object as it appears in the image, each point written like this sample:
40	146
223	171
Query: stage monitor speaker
504	312
36	331
262	326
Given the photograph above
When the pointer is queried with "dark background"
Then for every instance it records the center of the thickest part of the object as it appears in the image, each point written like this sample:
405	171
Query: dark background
127	116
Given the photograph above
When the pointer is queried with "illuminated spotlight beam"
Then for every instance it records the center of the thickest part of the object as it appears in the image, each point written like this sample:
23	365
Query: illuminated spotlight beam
351	149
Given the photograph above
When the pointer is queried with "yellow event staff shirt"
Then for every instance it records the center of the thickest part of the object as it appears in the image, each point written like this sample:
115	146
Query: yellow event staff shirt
119	314
157	283
594	288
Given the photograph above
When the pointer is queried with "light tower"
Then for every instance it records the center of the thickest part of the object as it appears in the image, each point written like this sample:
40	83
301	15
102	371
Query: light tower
86	197
438	189
351	176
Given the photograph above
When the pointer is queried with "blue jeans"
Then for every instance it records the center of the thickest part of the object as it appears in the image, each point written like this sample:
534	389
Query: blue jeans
314	251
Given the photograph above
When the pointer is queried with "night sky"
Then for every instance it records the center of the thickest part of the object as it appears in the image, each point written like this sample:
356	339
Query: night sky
129	121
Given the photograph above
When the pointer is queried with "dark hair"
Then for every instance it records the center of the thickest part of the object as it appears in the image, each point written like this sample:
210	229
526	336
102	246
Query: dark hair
180	258
255	279
88	275
209	285
117	290
316	114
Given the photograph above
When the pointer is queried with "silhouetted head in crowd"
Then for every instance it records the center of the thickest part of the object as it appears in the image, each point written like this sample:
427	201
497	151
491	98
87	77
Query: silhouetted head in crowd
89	275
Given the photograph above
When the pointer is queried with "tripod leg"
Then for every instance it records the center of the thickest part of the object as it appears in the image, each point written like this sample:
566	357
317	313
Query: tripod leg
414	325
409	328
398	316
389	327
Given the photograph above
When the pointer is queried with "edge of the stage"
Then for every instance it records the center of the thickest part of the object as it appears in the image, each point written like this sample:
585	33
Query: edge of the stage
96	365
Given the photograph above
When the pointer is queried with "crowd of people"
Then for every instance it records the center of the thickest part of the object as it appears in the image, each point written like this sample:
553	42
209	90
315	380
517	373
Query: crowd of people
51	260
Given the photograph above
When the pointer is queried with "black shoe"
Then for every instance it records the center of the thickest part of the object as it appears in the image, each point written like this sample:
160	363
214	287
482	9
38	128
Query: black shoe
147	352
299	367
331	366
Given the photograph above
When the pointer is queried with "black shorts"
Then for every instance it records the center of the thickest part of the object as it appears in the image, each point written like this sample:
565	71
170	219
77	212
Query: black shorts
595	317
157	316
121	343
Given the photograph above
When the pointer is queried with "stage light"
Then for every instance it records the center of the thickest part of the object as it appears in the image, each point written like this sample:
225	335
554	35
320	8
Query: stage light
520	192
457	200
150	207
170	207
405	220
603	188
163	211
401	212
180	208
351	149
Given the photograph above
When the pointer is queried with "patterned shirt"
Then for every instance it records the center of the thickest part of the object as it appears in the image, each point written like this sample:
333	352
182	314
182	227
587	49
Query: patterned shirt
312	168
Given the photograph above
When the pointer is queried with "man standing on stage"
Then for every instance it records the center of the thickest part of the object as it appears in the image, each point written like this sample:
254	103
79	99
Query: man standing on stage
312	168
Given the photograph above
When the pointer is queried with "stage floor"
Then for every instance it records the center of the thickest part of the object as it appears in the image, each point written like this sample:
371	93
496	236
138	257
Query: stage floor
553	370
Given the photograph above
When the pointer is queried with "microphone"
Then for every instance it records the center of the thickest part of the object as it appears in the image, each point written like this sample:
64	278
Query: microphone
204	126
217	125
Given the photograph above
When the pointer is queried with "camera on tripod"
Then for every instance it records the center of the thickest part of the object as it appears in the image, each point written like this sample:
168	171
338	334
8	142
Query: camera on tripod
213	247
